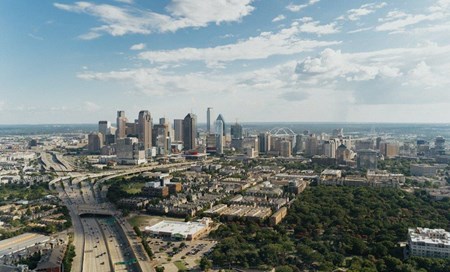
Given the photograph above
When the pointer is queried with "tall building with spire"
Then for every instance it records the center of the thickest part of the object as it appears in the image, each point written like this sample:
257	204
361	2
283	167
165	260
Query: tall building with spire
121	125
190	131
145	129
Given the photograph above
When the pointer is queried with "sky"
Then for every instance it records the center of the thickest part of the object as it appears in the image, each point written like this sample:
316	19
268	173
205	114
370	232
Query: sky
250	60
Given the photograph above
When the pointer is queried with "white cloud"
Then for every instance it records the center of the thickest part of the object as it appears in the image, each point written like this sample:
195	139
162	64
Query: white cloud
397	75
397	21
296	8
138	46
364	10
314	27
200	12
125	1
91	106
287	41
119	21
280	17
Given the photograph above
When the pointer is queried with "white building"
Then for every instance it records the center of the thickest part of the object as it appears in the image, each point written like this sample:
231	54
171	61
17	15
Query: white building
180	230
426	242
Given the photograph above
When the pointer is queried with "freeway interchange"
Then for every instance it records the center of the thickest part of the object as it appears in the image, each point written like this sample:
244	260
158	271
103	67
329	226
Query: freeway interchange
103	240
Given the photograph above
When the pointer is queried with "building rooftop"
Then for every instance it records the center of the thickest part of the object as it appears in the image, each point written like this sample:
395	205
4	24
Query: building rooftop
429	236
182	228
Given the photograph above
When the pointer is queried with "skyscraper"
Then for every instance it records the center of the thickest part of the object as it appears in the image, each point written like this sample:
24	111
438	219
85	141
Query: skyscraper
236	131
178	129
219	136
220	117
190	131
121	125
95	142
208	120
145	129
103	127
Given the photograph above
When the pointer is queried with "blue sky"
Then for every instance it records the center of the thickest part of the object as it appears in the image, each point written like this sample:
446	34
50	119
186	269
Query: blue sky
262	60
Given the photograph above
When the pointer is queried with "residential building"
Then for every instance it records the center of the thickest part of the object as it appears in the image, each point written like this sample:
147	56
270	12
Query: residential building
424	242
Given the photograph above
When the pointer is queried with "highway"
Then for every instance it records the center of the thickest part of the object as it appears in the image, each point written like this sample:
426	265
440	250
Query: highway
102	244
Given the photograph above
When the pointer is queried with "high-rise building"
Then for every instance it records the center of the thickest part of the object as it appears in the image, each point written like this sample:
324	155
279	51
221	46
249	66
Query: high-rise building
236	131
104	127
208	120
264	142
329	148
311	145
190	131
130	151
285	148
299	143
161	139
367	159
145	129
95	142
220	117
219	136
389	149
132	129
178	129
439	145
121	120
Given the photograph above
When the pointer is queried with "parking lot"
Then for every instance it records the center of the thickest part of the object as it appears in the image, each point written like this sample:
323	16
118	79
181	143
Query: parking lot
168	252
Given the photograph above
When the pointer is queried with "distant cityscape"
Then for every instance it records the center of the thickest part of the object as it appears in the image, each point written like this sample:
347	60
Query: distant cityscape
146	195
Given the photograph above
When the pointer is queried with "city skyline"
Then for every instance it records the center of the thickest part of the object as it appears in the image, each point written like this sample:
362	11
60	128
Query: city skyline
271	61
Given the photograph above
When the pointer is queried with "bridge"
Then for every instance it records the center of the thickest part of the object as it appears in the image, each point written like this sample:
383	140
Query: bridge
94	209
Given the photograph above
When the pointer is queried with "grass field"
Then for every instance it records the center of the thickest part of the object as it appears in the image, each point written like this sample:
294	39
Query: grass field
133	188
180	265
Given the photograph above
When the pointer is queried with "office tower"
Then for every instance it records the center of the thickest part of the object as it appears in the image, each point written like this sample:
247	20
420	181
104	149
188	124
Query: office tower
329	148
250	146
299	143
264	142
220	117
145	129
129	151
389	149
190	131
95	142
219	136
104	127
161	139
236	131
439	145
367	159
208	120
132	129
285	148
311	146
377	143
121	120
178	129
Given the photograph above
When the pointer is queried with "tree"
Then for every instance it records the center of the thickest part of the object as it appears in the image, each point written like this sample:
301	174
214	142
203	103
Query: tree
205	264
